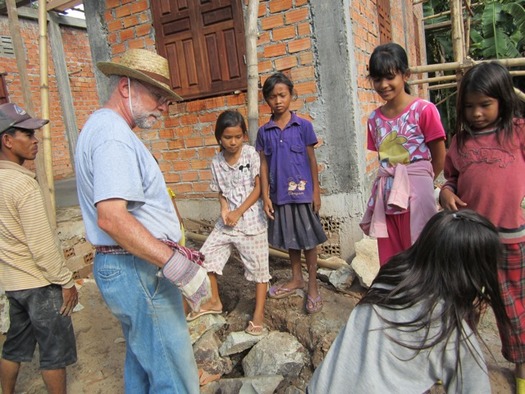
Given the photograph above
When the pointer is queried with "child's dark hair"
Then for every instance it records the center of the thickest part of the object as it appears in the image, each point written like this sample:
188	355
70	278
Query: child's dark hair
450	271
493	80
273	80
387	60
229	119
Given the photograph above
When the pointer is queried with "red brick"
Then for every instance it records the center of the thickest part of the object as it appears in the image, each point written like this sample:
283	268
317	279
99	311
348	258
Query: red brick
283	33
279	5
138	6
296	15
271	22
306	88
285	63
274	50
301	44
122	11
302	73
190	176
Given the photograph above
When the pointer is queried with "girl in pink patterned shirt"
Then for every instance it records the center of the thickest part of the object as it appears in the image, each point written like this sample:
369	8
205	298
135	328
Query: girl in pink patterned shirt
242	224
408	136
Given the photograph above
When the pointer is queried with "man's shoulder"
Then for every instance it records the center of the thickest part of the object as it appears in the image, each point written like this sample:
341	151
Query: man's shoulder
105	125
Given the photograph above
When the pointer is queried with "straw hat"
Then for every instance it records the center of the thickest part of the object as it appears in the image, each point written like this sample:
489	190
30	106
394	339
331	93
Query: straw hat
144	65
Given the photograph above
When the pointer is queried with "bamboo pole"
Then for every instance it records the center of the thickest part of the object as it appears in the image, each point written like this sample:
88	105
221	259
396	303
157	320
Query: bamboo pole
252	68
458	44
444	78
323	263
44	97
515	62
21	62
445	13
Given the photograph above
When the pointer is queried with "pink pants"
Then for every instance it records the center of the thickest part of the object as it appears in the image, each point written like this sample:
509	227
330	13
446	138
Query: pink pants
398	227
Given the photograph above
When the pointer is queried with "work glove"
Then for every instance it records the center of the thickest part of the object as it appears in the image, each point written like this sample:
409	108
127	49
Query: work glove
189	277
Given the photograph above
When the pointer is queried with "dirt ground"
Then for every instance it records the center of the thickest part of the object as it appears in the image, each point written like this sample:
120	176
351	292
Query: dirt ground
101	347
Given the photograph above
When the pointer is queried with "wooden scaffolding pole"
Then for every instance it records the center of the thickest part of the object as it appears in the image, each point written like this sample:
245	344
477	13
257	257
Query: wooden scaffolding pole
21	61
44	97
253	70
460	30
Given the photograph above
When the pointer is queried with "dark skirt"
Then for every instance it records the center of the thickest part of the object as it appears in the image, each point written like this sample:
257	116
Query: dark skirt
296	226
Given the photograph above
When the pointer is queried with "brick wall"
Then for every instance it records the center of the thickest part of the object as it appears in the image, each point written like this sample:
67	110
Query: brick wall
184	143
81	79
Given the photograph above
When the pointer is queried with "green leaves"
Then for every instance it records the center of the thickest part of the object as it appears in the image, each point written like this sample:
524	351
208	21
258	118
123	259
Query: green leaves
498	31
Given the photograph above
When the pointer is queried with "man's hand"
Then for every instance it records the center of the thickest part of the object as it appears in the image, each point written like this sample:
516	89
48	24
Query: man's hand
70	300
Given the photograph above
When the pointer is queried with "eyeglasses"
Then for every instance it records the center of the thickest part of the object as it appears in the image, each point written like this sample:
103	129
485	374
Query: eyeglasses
158	95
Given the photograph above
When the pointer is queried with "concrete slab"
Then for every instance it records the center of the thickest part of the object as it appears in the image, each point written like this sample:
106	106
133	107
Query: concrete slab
66	192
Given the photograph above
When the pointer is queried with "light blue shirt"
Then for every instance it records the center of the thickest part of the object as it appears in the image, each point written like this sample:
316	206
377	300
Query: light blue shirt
111	162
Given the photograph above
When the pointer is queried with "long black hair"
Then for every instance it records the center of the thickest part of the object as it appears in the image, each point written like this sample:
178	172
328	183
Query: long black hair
387	60
493	80
451	271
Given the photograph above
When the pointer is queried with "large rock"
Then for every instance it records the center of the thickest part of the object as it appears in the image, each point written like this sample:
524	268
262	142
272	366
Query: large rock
341	278
239	341
366	261
279	353
206	351
203	324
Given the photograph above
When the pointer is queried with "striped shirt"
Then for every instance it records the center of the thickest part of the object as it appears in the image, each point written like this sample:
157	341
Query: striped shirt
30	256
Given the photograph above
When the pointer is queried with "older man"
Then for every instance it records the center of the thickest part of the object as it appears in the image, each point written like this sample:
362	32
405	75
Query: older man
131	221
39	287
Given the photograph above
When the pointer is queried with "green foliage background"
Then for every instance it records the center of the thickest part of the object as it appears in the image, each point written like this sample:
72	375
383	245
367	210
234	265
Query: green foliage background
497	32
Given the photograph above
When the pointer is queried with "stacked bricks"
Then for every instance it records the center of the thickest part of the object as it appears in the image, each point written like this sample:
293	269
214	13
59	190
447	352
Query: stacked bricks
81	79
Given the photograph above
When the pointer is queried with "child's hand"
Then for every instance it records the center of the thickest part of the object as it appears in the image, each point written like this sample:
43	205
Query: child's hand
268	208
224	215
316	204
449	200
232	218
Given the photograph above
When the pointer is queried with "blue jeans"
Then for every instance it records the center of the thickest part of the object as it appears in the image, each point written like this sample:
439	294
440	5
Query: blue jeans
159	355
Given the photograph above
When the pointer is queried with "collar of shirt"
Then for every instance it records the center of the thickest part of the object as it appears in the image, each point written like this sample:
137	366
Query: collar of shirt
272	125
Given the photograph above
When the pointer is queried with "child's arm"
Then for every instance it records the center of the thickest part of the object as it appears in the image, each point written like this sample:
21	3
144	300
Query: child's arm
447	197
265	187
449	200
224	207
233	217
315	179
438	152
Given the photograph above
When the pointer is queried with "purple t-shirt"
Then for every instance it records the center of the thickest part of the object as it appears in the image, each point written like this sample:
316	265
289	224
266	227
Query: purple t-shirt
286	153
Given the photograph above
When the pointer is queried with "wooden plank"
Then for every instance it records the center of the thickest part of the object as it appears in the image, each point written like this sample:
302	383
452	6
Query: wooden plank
21	61
31	13
64	88
62	5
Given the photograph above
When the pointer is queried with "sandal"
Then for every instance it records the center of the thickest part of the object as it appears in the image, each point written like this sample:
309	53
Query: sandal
314	305
253	329
279	291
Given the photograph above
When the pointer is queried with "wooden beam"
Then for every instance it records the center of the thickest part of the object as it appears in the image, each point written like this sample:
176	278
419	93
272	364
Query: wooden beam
44	101
21	62
514	62
61	5
64	88
253	71
30	13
